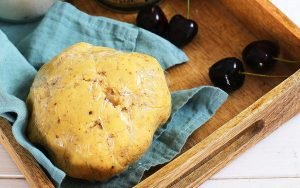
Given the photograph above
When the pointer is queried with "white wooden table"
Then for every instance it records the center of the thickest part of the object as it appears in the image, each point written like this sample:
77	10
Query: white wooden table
274	162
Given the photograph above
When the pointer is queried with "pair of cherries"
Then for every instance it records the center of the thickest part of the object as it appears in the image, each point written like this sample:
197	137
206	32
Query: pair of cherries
180	30
261	56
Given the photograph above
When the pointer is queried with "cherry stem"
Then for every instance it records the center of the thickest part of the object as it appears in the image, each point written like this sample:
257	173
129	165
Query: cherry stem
262	75
286	61
188	9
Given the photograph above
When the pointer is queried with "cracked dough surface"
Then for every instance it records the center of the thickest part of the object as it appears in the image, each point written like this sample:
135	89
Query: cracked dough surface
95	110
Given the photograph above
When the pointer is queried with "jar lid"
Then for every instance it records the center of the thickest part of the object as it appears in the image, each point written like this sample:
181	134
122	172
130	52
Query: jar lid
127	5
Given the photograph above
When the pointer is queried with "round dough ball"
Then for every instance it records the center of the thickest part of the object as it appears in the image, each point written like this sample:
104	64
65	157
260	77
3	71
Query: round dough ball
95	109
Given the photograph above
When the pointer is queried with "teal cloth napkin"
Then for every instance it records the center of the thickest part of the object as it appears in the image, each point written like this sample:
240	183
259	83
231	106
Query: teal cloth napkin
16	32
63	26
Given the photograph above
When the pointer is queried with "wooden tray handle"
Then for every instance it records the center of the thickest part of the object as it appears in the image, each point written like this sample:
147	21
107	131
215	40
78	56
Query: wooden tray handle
221	155
34	174
204	159
215	155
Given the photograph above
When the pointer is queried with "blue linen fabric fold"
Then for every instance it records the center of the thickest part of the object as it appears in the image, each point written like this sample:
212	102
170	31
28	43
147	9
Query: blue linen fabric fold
63	26
16	32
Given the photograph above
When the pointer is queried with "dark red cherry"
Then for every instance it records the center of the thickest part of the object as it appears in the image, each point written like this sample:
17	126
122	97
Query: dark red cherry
153	19
182	30
225	74
259	55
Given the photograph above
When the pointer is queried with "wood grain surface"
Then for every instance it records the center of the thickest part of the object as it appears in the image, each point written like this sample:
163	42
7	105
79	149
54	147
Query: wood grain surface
226	26
204	159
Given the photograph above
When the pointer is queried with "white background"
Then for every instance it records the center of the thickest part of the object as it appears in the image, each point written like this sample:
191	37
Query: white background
274	162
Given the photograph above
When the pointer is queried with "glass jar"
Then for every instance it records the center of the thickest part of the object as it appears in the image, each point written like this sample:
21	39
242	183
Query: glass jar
127	5
23	10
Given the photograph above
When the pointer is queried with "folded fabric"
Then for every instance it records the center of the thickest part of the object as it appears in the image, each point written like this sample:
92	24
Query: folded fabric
16	32
63	26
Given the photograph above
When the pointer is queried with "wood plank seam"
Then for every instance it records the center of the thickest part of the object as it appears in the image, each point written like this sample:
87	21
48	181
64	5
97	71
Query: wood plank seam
8	176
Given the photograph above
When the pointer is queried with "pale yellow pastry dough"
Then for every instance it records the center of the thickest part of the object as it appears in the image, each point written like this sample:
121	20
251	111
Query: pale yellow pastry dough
95	109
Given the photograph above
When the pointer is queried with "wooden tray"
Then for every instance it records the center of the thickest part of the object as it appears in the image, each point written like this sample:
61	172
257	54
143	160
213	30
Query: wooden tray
250	114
